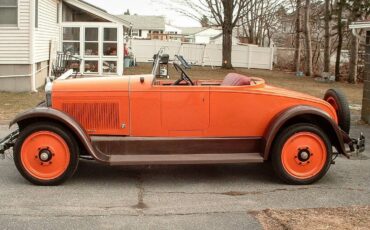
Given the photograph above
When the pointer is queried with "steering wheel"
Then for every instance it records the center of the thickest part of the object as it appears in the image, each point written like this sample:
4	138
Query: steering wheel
183	75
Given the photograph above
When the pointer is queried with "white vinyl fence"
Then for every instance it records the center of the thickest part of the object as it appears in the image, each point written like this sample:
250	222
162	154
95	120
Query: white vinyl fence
207	55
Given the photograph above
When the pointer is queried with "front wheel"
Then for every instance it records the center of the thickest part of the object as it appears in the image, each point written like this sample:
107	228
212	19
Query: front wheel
301	154
46	154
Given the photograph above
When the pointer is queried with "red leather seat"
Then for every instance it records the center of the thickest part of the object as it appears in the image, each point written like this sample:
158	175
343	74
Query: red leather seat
234	79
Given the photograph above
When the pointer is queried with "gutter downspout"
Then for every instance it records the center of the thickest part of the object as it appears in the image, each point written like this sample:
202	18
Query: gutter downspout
32	40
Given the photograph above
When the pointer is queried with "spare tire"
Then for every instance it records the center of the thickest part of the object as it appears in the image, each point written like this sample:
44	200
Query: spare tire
338	100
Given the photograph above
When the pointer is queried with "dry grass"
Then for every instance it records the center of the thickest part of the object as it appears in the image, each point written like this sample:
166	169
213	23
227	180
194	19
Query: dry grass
318	218
13	103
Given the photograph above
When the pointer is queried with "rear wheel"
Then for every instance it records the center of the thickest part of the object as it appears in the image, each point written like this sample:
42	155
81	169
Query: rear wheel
46	154
338	100
301	154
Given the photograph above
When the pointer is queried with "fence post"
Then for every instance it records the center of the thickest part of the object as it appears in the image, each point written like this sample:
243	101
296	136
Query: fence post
249	57
271	57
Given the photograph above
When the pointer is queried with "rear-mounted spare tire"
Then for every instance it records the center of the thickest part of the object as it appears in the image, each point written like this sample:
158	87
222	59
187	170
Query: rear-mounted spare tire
338	100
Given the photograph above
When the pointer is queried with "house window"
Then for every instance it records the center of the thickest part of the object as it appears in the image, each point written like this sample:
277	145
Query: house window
91	66
91	41
135	33
110	67
71	40
8	13
110	42
36	13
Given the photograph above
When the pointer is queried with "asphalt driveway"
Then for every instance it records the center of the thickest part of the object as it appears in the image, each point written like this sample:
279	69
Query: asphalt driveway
173	197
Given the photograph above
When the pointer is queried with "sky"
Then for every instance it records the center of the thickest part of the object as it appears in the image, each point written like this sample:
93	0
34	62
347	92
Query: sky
145	7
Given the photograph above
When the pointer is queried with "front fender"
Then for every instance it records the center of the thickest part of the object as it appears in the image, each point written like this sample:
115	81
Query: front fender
308	114
53	115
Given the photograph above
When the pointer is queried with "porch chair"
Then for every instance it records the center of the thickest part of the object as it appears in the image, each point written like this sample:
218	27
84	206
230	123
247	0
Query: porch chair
64	62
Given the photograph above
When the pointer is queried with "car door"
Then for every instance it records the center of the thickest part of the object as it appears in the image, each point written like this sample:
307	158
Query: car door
184	110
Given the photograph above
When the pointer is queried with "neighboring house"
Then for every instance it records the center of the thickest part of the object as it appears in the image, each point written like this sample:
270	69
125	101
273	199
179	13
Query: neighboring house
24	42
188	33
31	31
202	35
169	29
143	26
205	36
218	39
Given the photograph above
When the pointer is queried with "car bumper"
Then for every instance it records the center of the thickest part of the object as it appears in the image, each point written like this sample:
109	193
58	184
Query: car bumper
356	145
7	142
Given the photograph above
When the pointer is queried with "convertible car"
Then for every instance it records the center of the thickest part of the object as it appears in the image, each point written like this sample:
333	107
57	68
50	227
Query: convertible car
145	120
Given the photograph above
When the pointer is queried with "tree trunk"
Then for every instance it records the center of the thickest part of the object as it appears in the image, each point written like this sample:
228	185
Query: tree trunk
307	32
327	37
340	40
297	54
227	31
226	49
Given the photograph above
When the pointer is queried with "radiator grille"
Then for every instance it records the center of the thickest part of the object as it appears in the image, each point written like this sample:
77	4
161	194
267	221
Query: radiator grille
94	116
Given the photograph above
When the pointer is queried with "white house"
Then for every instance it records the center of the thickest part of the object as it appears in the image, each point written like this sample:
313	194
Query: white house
31	31
203	35
143	25
218	40
169	29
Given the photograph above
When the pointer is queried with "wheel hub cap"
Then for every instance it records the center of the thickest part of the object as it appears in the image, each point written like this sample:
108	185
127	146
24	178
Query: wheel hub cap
45	155
304	155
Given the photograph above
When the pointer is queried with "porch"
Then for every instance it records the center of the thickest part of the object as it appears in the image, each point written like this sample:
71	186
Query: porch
94	36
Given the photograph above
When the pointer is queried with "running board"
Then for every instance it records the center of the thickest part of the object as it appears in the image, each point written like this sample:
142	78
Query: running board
164	159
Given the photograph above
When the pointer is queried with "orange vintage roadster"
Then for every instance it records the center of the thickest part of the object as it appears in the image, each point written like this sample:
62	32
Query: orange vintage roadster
142	120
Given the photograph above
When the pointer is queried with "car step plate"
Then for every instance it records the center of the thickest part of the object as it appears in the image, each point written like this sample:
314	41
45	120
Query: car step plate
186	159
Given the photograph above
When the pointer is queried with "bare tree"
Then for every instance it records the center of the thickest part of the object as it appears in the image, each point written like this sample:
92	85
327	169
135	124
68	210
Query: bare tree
259	23
307	32
222	13
297	53
204	21
340	6
327	36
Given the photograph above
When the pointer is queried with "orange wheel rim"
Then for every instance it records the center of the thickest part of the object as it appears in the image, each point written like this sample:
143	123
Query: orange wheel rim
45	155
304	155
333	103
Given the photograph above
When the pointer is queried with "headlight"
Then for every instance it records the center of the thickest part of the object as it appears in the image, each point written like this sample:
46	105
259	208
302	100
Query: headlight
48	89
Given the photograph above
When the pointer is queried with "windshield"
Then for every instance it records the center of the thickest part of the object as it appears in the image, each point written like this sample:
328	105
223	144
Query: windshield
157	59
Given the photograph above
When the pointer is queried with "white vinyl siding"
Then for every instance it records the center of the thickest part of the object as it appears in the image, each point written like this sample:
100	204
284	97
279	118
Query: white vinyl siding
47	30
15	41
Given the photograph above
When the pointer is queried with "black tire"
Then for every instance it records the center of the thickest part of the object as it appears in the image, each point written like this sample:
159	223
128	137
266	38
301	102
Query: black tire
343	111
279	142
64	134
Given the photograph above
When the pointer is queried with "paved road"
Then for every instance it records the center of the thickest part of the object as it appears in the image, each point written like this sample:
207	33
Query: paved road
196	197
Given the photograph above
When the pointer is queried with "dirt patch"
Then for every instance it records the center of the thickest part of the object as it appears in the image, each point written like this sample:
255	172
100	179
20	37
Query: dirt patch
317	218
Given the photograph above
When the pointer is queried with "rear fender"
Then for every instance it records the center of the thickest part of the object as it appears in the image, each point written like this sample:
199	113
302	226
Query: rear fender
49	114
307	114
